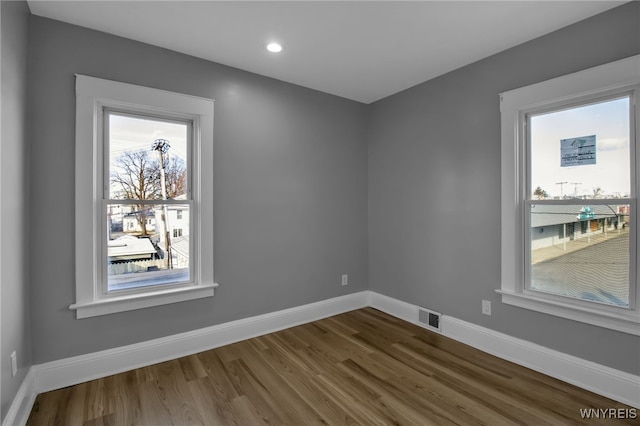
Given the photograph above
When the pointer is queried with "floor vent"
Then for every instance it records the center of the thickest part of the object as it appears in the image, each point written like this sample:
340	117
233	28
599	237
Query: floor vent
429	319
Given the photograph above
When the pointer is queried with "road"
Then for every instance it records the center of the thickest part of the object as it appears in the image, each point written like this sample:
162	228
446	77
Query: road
599	272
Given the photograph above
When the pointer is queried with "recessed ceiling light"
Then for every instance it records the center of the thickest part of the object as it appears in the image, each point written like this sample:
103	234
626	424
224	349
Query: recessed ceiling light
274	47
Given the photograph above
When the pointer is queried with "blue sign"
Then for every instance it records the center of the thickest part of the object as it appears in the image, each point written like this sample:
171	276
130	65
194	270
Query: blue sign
578	151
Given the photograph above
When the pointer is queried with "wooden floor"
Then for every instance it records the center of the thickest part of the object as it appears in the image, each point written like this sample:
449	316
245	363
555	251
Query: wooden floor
363	367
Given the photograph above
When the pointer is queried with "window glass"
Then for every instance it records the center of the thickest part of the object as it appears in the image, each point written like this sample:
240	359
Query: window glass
581	250
147	163
581	152
135	147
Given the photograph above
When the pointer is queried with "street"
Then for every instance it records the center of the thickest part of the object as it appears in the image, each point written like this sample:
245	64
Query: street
599	272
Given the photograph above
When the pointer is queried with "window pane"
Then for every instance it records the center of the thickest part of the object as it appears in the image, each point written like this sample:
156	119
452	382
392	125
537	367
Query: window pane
147	245
581	251
581	152
138	147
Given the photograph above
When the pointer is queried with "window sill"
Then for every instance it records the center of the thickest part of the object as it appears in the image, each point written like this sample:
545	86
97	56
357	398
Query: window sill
139	301
626	323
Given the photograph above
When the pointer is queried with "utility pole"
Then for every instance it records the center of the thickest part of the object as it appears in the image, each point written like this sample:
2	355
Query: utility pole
162	146
575	188
561	184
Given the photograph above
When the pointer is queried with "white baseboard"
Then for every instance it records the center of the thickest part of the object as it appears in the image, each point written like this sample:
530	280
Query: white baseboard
394	307
603	380
20	408
78	369
597	378
71	371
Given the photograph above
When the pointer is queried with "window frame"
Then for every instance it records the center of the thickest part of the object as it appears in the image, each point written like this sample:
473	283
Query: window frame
604	81
94	96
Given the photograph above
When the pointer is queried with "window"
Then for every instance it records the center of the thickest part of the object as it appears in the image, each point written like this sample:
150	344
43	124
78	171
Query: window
142	155
151	177
569	196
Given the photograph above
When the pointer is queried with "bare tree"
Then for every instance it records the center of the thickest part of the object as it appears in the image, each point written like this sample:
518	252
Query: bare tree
175	174
136	177
597	192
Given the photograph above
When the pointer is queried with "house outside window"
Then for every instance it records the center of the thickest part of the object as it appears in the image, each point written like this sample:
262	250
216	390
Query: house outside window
149	153
569	196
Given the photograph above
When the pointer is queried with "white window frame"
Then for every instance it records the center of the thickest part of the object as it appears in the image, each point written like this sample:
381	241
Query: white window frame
614	78
93	96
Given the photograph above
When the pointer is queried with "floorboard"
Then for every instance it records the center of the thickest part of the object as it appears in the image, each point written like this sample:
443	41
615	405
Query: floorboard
359	368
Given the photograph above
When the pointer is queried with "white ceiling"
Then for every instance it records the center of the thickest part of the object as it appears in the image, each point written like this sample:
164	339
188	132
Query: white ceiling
361	50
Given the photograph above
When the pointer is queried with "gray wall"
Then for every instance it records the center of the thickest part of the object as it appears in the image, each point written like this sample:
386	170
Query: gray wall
290	190
295	171
14	227
434	187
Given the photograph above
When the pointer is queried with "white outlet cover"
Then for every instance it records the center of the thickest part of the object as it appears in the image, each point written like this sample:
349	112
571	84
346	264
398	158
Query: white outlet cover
486	307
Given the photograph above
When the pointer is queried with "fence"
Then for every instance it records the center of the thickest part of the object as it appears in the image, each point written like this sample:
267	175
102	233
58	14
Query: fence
136	266
179	261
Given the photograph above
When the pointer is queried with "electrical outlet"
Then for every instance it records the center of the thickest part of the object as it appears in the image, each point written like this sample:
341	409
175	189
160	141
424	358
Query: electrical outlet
345	279
14	364
486	307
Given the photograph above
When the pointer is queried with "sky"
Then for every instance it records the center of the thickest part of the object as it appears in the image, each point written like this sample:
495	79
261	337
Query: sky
609	122
127	133
133	133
